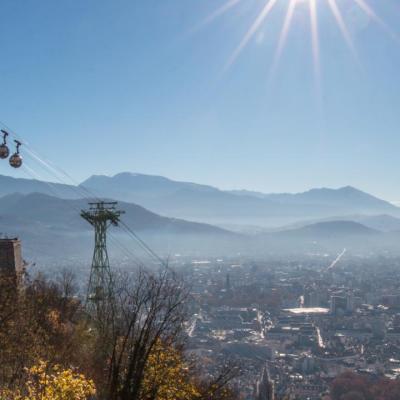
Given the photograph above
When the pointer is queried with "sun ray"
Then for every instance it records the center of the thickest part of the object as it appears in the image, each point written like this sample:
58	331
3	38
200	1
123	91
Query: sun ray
292	5
371	13
251	32
284	34
342	26
219	12
315	43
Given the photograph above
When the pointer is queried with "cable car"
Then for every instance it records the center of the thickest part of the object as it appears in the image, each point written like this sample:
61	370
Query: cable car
16	159
4	150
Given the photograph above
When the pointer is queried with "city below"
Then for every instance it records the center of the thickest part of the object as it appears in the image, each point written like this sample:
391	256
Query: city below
294	321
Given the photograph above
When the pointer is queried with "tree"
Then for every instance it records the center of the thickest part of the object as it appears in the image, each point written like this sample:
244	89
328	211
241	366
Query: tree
52	383
144	311
349	386
353	395
40	320
386	389
350	382
140	334
167	376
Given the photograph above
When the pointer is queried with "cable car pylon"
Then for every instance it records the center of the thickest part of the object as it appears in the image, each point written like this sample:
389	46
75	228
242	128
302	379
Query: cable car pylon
101	215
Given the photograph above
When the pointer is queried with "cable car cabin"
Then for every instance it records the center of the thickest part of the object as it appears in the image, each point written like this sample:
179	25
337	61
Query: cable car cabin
16	159
4	150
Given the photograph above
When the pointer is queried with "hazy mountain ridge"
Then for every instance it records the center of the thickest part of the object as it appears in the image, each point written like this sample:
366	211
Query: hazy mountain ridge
56	213
382	222
329	237
333	229
63	214
54	227
209	204
10	185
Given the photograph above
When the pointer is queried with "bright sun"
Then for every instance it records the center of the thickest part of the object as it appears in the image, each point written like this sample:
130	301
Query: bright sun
287	21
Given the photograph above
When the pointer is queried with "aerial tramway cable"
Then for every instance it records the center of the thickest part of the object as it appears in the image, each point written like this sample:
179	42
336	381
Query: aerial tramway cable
143	243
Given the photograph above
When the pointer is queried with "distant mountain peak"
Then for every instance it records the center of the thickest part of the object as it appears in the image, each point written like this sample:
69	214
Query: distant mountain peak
336	228
349	188
127	174
342	189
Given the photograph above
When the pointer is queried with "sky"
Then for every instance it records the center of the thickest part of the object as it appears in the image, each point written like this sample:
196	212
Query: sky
101	87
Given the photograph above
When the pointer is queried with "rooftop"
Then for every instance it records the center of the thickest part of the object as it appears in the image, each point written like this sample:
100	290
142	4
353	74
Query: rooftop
307	310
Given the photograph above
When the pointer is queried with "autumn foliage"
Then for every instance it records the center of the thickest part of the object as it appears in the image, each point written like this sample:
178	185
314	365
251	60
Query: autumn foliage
131	347
352	386
52	383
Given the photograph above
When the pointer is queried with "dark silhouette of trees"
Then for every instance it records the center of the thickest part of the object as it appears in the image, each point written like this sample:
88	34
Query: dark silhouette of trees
352	386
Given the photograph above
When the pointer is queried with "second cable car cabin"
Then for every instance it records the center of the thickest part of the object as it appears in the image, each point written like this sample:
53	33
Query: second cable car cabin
16	159
4	150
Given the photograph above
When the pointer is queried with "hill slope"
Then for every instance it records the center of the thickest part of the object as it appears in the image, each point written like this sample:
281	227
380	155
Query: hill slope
333	229
53	228
10	185
64	214
382	222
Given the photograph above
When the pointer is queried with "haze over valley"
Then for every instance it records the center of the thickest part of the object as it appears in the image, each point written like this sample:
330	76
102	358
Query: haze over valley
192	218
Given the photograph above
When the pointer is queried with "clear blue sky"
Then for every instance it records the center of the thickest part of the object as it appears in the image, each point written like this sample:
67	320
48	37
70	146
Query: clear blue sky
101	87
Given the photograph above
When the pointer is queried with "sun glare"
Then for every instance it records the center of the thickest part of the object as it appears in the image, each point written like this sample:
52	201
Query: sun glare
313	5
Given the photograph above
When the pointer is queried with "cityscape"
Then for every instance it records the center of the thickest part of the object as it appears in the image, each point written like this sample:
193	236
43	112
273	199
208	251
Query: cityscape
297	325
292	325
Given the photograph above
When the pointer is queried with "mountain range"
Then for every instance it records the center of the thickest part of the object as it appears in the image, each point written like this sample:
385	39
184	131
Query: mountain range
47	214
209	204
